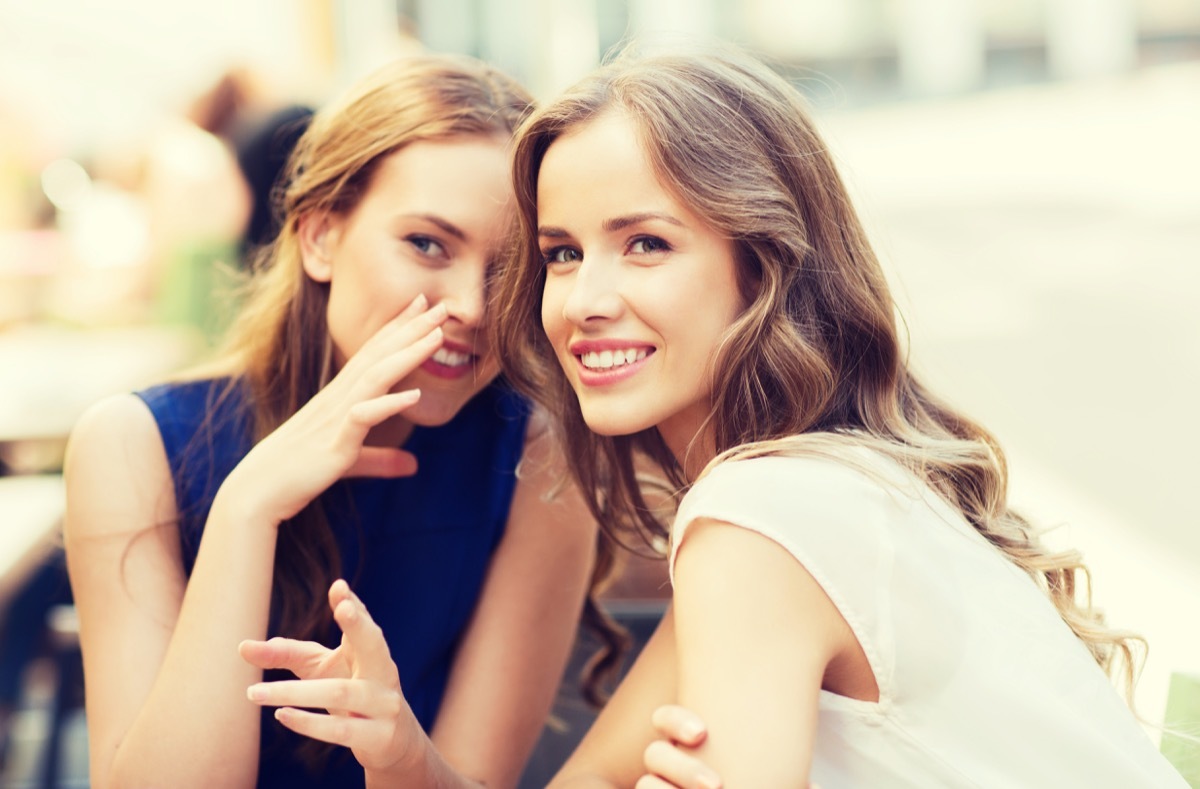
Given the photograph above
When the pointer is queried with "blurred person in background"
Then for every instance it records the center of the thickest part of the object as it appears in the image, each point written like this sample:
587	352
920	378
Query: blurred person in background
23	636
355	428
261	131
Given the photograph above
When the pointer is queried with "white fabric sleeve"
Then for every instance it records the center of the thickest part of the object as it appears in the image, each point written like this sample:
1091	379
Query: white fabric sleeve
832	517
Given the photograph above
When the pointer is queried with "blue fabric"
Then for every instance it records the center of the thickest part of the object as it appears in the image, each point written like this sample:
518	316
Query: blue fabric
427	539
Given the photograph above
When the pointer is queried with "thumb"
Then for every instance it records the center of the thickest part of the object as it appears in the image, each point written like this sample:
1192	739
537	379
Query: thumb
302	658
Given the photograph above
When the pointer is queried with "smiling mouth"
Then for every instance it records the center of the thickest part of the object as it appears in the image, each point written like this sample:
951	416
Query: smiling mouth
453	359
608	360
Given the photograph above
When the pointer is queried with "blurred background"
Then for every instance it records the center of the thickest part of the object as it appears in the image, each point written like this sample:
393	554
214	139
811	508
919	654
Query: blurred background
1028	169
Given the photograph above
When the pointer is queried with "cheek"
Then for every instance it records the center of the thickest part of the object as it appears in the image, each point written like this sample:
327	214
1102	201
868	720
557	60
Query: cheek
552	310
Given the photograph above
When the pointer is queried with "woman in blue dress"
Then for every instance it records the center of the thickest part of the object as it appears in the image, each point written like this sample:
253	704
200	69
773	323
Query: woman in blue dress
355	429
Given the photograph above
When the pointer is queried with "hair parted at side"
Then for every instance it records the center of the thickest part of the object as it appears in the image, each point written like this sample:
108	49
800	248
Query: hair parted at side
814	363
279	348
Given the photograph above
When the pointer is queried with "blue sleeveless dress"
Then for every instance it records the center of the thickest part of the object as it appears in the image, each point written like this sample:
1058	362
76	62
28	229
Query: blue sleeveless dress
414	549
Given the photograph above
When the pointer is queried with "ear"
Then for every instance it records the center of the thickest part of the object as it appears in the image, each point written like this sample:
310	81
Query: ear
317	233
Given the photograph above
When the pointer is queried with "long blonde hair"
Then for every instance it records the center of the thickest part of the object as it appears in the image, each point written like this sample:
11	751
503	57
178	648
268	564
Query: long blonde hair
815	361
279	348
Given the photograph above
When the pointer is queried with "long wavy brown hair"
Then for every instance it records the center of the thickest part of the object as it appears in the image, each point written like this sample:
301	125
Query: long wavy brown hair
814	363
279	349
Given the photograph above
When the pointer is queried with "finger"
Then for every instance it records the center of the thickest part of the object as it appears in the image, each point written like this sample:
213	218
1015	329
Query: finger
653	782
339	590
678	767
372	657
387	370
351	696
402	361
402	331
679	724
415	307
383	462
356	733
399	332
298	657
371	412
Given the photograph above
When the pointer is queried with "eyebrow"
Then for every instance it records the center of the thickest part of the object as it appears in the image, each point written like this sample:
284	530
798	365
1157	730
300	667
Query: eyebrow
445	226
615	224
622	222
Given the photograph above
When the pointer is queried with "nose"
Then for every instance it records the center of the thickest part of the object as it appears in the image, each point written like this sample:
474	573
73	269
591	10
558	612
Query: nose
594	293
462	294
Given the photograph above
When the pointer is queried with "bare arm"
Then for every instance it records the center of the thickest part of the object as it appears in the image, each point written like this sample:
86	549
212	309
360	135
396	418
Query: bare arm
523	628
756	638
504	677
165	686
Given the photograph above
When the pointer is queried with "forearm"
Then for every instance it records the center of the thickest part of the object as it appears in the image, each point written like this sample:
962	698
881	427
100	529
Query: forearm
196	726
426	769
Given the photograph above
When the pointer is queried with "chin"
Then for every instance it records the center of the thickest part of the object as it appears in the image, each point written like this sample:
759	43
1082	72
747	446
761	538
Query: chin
610	424
434	414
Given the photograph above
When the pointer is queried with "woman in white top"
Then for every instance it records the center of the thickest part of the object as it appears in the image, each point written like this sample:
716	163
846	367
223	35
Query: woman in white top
854	602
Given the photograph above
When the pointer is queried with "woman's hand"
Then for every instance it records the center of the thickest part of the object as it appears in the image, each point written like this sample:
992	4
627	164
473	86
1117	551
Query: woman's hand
357	683
668	760
323	441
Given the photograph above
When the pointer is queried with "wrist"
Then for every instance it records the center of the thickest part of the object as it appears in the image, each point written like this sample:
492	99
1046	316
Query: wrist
411	769
419	766
239	500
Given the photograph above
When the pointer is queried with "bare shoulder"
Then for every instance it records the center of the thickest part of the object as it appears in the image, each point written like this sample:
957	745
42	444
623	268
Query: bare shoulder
722	566
123	418
116	467
716	547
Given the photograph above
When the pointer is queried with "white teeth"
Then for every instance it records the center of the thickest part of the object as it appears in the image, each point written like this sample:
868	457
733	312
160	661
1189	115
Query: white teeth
451	358
604	360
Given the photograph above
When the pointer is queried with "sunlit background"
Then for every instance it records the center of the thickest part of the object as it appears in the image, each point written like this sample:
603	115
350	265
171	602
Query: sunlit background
1029	171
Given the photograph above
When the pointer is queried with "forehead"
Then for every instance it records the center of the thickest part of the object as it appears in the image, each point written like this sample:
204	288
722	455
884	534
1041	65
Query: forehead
470	172
600	164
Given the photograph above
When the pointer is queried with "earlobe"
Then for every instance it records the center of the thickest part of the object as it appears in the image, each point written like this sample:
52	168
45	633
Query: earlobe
315	233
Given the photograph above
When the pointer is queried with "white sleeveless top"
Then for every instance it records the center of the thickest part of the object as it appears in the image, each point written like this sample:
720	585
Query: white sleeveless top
981	683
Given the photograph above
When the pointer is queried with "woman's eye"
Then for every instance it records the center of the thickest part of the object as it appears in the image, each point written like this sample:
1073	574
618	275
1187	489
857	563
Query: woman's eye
427	246
644	245
561	255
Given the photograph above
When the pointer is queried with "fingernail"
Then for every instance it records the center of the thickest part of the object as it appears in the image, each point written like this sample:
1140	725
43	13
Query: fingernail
691	730
420	301
256	693
710	781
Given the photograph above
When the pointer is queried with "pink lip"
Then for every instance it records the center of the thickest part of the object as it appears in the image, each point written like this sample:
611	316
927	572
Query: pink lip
443	371
457	347
440	370
611	375
580	347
